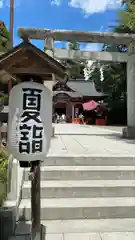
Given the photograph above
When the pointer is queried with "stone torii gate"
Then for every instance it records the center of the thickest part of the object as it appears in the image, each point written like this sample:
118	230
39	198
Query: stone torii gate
49	36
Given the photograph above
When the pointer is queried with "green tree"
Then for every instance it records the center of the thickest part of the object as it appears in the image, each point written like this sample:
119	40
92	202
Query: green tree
75	67
4	37
73	45
127	16
114	85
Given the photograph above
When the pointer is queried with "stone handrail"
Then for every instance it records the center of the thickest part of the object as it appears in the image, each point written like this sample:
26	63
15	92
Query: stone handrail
15	177
9	212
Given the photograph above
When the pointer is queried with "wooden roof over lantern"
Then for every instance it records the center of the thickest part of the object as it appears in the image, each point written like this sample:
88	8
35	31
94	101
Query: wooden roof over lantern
27	60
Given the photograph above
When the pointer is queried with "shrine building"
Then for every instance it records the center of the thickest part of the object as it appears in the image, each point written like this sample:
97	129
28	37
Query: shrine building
68	97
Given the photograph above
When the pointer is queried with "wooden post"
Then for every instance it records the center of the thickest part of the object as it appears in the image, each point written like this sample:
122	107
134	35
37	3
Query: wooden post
34	176
11	23
11	32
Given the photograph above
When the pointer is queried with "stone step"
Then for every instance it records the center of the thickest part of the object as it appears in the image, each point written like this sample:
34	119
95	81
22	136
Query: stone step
86	173
81	208
110	160
83	189
80	226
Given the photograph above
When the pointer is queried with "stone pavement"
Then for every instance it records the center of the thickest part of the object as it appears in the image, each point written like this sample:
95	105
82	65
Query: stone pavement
84	236
81	140
92	236
85	140
113	128
103	229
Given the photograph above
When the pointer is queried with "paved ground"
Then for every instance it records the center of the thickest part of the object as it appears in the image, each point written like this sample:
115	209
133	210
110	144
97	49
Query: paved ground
103	229
113	128
84	140
92	236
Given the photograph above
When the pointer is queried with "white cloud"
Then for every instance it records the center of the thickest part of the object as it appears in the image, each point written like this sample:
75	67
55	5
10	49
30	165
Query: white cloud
94	6
91	6
56	2
1	3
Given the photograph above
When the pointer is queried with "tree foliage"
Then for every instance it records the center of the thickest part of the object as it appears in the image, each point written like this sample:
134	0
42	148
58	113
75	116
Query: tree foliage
75	67
114	83
128	16
4	37
73	45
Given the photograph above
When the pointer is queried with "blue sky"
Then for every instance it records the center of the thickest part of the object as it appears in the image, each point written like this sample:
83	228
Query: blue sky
87	15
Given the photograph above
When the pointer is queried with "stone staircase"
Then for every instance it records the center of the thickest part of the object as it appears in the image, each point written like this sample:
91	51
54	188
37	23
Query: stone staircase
84	188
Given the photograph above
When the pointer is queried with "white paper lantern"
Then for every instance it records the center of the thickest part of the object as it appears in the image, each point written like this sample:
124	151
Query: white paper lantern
30	121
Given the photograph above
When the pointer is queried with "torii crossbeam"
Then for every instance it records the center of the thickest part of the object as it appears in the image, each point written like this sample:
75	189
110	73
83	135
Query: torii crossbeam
79	36
108	38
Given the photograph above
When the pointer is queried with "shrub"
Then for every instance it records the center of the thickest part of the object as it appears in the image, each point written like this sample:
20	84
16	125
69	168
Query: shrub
3	175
